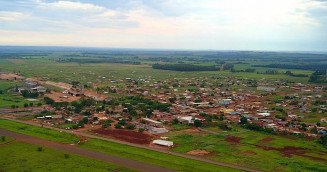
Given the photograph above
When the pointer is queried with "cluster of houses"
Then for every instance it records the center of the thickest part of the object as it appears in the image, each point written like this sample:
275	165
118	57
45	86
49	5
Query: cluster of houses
292	108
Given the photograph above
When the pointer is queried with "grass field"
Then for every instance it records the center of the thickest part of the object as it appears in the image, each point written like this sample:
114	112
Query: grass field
152	157
44	133
143	155
20	156
247	153
7	99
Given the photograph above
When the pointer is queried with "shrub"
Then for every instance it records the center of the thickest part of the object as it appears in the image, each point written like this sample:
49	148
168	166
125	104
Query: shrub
40	149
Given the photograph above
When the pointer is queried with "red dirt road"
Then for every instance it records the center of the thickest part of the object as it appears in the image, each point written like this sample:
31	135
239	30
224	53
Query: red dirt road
84	152
126	135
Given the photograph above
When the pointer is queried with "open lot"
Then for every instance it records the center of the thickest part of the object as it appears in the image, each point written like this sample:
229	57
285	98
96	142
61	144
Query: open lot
255	150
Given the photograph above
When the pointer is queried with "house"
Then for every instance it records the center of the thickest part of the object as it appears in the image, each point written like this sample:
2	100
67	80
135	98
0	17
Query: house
188	119
96	96
29	85
155	130
262	88
153	122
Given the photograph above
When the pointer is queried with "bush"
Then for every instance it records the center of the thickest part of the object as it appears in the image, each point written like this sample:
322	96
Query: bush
3	138
130	126
141	130
118	126
40	149
66	156
198	123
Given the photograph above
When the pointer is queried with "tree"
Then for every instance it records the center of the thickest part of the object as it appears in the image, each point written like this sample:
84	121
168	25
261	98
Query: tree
172	99
13	106
85	120
198	123
118	126
48	100
243	120
141	130
39	104
25	105
39	149
174	121
130	126
3	138
31	104
323	140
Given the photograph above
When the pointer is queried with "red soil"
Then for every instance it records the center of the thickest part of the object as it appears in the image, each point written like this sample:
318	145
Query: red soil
125	135
288	151
267	140
233	139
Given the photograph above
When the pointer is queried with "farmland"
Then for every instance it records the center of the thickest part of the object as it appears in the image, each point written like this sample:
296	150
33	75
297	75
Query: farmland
241	108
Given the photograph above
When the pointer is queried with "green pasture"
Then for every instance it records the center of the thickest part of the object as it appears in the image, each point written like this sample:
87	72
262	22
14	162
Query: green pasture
21	156
247	153
35	131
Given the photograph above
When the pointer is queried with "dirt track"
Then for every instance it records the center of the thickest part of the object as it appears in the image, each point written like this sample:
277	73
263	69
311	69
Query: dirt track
84	152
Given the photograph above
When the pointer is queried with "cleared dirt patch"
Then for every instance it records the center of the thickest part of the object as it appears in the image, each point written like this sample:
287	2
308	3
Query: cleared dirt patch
288	151
126	135
267	140
61	97
232	139
198	152
16	61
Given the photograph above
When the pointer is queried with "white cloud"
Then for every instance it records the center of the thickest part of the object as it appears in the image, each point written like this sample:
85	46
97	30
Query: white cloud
11	15
71	5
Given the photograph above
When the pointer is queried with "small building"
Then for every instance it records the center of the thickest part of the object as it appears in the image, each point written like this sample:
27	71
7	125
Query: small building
163	143
264	114
29	85
153	122
157	130
262	88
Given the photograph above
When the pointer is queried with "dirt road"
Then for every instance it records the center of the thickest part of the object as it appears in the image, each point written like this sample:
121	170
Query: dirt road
84	152
143	146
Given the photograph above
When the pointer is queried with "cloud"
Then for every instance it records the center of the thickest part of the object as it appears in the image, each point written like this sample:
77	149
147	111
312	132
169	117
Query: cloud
11	15
71	5
187	24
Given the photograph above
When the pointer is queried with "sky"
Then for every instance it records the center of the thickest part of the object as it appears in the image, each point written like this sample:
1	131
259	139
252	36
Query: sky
277	25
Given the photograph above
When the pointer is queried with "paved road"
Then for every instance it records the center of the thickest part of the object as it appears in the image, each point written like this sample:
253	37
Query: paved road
84	152
142	146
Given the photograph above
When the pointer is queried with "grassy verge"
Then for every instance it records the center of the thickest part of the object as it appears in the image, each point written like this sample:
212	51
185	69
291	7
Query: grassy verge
4	139
151	157
35	131
20	156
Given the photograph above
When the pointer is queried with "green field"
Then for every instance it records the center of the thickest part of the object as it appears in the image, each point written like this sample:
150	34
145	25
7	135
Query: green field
247	153
152	157
8	99
48	134
21	156
143	155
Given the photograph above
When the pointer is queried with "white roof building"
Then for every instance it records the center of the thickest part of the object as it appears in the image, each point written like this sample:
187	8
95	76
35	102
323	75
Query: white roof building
163	143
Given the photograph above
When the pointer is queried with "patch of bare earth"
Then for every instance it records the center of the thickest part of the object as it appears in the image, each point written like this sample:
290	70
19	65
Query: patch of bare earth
288	151
233	139
247	153
16	61
125	135
267	140
198	152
